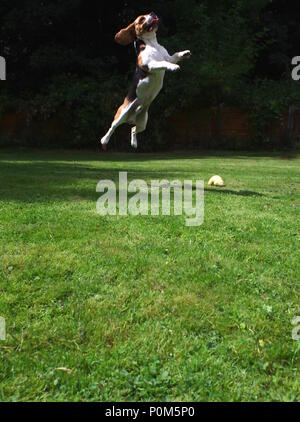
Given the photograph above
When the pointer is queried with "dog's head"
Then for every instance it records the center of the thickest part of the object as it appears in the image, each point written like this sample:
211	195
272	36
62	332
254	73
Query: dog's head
145	27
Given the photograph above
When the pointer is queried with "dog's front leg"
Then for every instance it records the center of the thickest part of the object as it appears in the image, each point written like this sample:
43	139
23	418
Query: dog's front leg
162	65
177	57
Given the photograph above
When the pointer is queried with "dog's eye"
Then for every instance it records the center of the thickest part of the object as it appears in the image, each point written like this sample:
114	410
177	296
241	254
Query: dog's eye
141	20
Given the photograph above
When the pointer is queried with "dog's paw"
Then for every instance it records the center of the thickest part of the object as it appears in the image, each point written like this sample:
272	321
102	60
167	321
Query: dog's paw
174	67
134	143
104	141
186	54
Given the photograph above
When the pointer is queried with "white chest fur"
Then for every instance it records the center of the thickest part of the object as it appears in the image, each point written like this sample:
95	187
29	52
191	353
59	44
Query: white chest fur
154	51
149	87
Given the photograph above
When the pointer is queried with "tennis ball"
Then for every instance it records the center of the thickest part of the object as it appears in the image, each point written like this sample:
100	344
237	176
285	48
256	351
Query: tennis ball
216	181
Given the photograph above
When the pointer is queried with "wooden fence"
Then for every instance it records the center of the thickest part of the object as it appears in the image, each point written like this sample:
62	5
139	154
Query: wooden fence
203	127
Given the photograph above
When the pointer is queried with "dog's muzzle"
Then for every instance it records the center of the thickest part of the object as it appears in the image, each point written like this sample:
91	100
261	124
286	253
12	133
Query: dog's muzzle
153	23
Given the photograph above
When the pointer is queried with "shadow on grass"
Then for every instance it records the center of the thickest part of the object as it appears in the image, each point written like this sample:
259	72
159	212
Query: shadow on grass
234	192
45	182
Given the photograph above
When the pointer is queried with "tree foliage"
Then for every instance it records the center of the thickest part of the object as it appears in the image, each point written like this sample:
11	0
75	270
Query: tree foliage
63	62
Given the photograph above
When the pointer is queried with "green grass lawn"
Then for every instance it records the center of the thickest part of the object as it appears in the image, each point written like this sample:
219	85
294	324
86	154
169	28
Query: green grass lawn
145	308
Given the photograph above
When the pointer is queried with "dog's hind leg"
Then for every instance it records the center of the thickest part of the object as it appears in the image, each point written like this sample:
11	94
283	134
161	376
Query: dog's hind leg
120	118
117	122
141	124
106	138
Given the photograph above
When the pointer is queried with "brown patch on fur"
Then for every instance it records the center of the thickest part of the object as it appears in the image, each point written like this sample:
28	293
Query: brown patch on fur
125	104
140	24
140	63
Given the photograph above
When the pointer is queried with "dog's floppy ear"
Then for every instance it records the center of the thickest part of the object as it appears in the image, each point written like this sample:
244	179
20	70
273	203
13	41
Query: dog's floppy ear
126	35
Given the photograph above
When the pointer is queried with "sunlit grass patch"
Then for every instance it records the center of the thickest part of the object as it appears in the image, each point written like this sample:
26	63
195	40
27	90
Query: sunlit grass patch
145	308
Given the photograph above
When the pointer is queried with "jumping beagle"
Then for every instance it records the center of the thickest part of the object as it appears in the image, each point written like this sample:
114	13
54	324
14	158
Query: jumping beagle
152	62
